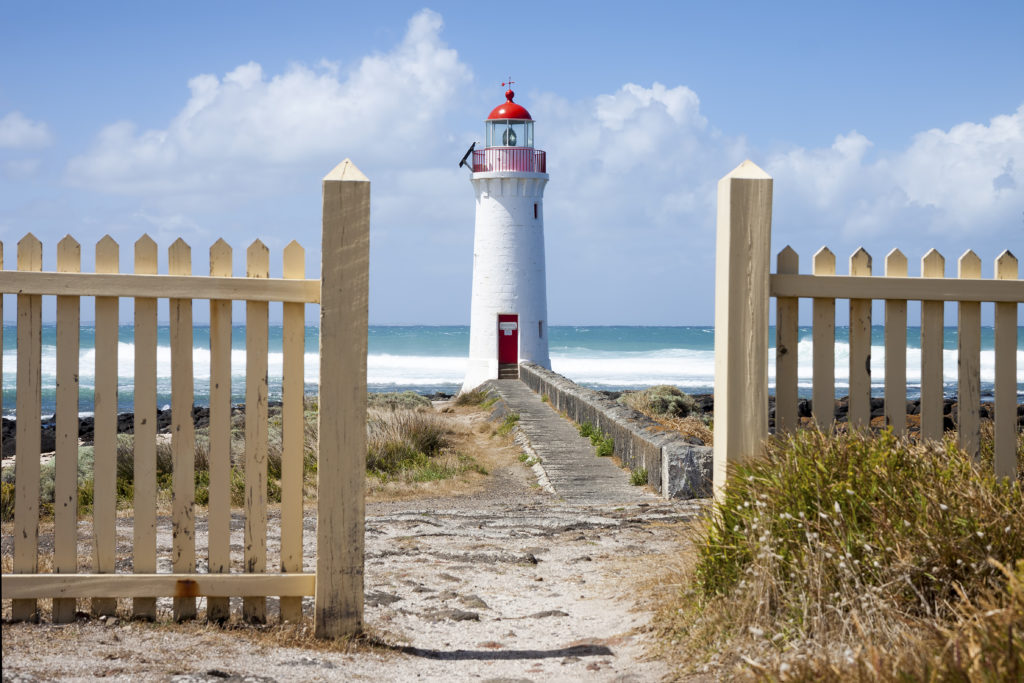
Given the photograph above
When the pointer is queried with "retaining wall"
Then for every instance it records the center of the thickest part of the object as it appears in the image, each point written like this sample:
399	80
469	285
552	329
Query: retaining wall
675	467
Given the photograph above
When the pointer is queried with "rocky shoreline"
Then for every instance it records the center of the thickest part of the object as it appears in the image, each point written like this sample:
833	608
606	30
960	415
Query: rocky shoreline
704	402
950	410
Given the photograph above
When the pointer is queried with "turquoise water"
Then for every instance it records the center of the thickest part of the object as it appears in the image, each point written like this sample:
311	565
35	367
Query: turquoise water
433	358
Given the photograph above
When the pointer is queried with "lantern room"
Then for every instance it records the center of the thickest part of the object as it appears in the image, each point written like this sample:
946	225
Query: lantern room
509	125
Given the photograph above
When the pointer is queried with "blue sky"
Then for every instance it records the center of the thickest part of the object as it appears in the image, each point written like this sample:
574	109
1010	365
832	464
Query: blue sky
884	125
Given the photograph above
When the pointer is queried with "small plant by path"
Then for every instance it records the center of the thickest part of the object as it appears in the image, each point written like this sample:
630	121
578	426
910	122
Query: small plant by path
603	443
508	424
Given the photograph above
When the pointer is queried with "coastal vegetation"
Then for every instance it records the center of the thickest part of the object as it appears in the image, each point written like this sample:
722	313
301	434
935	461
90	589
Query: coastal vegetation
603	443
672	408
407	443
855	556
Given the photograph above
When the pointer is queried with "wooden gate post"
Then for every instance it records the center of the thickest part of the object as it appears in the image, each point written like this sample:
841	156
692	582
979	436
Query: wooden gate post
742	256
341	469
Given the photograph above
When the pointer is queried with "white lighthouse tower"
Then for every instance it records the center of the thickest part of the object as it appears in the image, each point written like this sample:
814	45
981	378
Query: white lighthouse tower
508	318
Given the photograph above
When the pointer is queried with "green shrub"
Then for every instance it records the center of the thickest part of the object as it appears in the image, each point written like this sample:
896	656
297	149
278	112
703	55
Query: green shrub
237	488
406	400
403	439
604	443
661	400
544	398
202	480
508	424
476	397
85	496
638	477
858	541
6	501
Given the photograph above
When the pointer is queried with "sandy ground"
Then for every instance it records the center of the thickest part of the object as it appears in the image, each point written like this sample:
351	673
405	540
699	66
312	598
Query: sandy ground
494	579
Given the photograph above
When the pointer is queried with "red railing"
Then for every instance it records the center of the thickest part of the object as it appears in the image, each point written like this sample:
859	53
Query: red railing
509	159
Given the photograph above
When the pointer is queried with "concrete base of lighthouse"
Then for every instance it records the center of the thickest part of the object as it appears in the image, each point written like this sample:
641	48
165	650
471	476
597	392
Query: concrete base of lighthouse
508	271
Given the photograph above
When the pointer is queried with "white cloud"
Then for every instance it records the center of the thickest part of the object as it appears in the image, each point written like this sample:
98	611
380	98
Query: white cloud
20	169
641	158
248	128
20	132
944	182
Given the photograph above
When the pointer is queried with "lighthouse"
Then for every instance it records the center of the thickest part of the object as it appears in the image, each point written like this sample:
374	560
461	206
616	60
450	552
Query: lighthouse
508	315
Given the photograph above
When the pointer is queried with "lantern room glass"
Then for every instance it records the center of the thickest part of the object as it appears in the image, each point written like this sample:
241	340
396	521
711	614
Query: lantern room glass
509	133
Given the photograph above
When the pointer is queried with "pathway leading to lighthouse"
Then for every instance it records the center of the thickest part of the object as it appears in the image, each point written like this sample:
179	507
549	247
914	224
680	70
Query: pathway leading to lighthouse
575	473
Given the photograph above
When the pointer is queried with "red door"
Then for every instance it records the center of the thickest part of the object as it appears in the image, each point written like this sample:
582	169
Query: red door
508	338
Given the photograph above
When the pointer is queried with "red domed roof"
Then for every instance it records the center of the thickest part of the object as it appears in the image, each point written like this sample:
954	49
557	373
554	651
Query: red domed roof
510	110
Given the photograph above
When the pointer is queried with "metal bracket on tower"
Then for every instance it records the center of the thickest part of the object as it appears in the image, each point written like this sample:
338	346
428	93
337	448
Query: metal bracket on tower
466	156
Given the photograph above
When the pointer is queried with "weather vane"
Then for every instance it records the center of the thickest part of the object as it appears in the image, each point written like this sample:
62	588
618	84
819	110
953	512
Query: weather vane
508	83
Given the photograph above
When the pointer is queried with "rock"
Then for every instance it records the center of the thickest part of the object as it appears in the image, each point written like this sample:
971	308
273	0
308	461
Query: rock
380	599
687	471
449	577
803	408
473	601
438	615
549	613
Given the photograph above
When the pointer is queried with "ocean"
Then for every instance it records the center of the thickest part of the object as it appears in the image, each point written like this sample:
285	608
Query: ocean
430	359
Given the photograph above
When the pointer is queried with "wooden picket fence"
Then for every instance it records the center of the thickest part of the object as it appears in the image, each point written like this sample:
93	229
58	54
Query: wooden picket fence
744	286
341	293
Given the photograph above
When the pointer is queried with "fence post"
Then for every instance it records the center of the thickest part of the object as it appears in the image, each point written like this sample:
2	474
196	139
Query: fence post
342	422
742	256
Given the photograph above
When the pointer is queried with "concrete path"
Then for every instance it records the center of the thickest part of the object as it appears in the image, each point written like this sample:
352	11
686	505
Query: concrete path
573	469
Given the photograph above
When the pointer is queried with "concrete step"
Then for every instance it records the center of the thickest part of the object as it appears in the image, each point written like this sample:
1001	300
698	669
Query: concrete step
508	371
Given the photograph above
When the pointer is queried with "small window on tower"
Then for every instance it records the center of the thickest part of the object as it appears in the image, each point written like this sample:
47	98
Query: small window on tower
540	329
535	211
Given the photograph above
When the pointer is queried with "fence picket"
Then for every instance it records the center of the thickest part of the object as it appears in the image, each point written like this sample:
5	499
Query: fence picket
183	551
969	361
144	527
219	509
859	414
254	609
787	340
1006	268
933	265
896	349
823	389
292	432
104	506
65	493
28	405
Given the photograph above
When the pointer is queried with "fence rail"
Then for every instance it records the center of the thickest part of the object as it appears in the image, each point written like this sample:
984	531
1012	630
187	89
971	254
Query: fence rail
744	286
341	293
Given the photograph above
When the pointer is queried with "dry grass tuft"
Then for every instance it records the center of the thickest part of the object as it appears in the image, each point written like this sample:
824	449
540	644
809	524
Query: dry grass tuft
672	409
690	425
856	557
